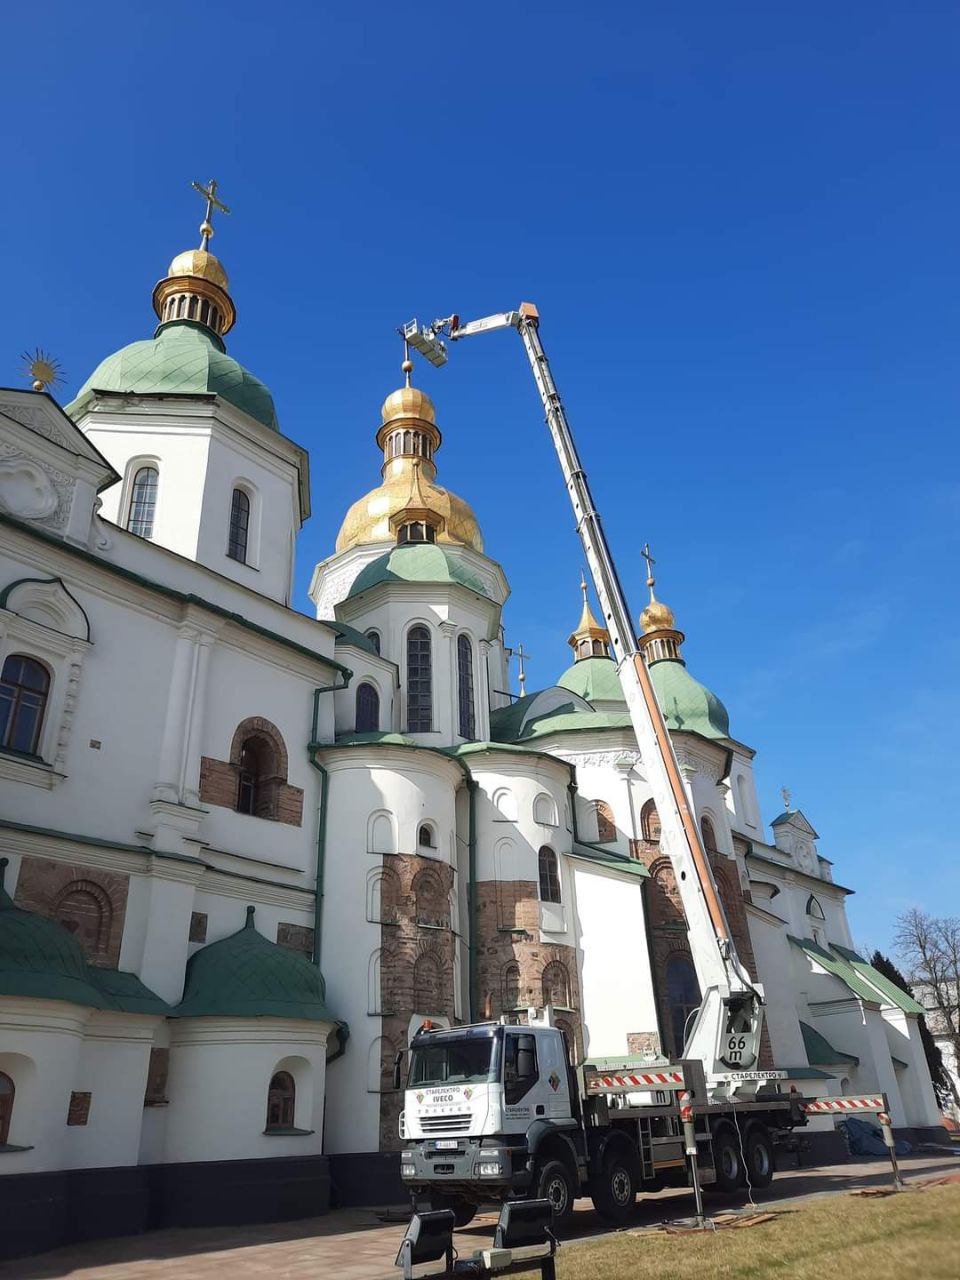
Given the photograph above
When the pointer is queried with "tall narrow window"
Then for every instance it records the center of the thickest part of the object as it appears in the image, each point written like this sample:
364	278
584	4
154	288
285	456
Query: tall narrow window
549	875
239	526
419	681
368	708
650	822
143	502
281	1101
468	720
683	996
7	1093
708	834
24	685
374	638
606	827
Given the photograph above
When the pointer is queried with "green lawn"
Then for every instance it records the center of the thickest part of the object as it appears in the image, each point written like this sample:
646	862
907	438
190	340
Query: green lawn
913	1236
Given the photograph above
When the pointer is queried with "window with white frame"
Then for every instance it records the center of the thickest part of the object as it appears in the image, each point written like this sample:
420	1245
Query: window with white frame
143	501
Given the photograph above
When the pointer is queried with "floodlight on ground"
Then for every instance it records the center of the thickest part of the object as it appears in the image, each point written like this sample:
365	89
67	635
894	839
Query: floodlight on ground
428	1238
525	1222
425	340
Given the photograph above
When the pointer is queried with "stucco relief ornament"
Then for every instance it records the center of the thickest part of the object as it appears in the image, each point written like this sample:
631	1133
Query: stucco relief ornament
26	491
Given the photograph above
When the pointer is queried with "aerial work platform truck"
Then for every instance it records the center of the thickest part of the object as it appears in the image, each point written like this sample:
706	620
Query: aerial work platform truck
494	1111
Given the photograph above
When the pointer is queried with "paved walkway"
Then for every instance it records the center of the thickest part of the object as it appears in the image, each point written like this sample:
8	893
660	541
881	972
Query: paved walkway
353	1244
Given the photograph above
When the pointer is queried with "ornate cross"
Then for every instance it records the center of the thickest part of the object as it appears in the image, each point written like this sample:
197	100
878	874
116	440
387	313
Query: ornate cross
786	798
522	675
650	563
209	193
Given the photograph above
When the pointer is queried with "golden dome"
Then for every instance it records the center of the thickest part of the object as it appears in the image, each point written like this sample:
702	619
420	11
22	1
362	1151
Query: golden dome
656	617
408	402
368	520
201	265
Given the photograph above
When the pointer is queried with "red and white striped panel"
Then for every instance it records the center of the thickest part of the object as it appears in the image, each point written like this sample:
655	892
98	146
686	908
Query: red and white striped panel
636	1080
842	1104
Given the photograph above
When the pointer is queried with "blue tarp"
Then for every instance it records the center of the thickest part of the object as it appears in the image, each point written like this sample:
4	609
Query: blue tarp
866	1138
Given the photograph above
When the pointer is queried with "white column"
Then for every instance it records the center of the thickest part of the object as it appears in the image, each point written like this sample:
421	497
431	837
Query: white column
483	693
450	668
167	786
190	768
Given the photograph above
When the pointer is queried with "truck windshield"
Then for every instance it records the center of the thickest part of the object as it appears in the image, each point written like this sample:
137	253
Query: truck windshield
454	1062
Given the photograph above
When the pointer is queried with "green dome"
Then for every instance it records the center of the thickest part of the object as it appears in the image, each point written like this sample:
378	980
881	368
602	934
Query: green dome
183	359
421	562
246	976
686	704
595	679
40	960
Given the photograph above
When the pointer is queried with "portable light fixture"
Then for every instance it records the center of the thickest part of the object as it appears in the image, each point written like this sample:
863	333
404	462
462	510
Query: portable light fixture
525	1222
428	1238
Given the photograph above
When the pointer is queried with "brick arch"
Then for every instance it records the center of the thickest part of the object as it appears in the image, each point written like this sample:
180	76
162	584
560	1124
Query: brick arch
84	908
258	727
666	906
431	901
555	985
429	995
650	822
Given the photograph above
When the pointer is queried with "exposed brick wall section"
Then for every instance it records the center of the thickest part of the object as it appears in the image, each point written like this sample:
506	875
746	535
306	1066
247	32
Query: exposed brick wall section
668	929
296	937
219	781
500	946
90	902
416	964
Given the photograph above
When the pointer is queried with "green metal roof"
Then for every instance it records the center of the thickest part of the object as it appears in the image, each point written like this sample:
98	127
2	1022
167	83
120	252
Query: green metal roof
247	976
417	562
687	705
577	722
595	679
889	990
40	960
612	861
837	966
820	1052
551	710
183	359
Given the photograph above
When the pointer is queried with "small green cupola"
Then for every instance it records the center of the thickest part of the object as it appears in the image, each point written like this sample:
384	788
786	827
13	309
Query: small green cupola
247	976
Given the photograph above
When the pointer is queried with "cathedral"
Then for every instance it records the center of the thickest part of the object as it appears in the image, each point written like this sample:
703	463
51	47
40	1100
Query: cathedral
245	850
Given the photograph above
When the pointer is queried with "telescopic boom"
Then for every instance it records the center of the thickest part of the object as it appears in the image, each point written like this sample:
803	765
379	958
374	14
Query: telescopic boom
725	1034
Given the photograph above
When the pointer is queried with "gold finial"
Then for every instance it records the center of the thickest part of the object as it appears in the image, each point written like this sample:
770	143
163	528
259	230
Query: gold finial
209	193
651	580
583	585
407	367
42	368
786	798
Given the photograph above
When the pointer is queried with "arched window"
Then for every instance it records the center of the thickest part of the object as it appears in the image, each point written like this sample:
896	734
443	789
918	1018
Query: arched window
708	835
419	681
683	996
281	1102
426	837
239	526
258	778
606	827
84	910
565	1027
555	985
545	810
549	875
431	902
650	822
468	726
814	909
143	502
510	986
7	1094
374	638
368	708
24	686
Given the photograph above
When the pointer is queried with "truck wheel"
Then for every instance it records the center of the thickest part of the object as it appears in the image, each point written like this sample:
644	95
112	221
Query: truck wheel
555	1183
463	1210
726	1160
760	1163
616	1194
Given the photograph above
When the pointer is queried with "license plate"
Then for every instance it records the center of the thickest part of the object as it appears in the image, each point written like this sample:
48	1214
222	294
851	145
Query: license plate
447	1144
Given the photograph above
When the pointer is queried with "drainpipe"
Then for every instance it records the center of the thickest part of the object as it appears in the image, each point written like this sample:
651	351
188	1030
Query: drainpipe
312	748
472	787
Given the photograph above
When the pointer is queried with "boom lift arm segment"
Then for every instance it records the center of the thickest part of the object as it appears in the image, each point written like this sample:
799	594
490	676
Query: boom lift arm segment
726	1032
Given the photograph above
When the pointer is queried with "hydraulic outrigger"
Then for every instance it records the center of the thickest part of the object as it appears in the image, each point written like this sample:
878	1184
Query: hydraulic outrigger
725	1035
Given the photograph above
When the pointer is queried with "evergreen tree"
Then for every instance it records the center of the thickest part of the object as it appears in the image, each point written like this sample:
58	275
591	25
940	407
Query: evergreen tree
941	1081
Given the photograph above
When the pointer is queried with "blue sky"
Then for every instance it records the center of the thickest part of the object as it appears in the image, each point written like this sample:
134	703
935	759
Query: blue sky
741	226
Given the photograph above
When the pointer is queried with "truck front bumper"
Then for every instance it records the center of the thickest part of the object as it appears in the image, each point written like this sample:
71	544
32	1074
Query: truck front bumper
477	1162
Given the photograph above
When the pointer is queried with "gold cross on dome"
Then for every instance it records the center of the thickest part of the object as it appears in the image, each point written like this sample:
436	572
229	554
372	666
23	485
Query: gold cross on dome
209	193
521	655
645	553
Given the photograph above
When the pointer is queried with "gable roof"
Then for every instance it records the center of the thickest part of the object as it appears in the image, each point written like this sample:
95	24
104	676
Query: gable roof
39	413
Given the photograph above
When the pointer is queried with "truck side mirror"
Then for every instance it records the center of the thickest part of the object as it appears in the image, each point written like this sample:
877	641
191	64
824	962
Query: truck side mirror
397	1063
